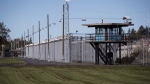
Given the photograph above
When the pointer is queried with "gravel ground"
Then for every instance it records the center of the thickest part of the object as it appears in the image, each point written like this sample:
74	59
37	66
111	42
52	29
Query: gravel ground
44	62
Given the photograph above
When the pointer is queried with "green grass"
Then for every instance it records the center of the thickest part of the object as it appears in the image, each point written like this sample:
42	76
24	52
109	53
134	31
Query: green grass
7	61
74	75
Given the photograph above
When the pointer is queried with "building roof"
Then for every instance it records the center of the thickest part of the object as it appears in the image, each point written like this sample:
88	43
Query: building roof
108	25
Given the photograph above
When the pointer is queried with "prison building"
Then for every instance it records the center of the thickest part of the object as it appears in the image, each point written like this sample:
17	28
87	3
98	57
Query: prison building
101	47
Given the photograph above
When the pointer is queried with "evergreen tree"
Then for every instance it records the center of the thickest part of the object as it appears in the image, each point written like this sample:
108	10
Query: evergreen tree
133	35
4	36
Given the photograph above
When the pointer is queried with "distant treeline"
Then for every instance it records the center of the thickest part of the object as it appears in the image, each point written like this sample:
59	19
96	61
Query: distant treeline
142	32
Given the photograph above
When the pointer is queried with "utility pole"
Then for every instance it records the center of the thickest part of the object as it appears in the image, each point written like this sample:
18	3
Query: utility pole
48	35
63	32
39	41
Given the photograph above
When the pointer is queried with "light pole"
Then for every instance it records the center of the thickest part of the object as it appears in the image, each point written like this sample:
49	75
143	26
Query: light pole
39	55
63	26
48	25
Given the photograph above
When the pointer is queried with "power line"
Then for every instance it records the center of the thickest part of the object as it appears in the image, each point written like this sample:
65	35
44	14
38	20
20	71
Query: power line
109	12
95	18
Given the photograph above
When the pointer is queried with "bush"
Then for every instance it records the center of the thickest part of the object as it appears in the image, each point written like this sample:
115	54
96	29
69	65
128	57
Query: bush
128	60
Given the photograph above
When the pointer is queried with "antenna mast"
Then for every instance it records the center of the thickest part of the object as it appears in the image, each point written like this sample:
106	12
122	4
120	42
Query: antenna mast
67	17
66	25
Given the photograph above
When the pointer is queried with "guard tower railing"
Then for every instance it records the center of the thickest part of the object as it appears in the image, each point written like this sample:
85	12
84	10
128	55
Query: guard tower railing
104	37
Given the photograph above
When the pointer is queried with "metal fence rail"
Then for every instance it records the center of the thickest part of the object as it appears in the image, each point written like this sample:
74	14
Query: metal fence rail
104	37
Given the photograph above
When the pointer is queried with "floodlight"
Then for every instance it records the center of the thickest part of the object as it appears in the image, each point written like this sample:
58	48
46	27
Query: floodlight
128	19
76	31
83	19
68	0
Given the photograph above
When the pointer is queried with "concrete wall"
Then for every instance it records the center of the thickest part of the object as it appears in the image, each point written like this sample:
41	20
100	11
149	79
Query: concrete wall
78	51
82	52
54	54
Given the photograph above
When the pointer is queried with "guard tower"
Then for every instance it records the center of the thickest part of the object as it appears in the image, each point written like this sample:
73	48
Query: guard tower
106	35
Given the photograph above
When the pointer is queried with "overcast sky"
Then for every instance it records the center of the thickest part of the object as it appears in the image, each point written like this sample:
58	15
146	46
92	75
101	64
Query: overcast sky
20	15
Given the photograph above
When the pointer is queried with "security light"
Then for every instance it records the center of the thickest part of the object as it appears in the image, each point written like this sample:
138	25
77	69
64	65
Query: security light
76	31
128	19
83	19
68	0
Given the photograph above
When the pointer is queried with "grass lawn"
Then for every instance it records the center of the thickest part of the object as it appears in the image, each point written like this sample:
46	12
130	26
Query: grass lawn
74	74
7	61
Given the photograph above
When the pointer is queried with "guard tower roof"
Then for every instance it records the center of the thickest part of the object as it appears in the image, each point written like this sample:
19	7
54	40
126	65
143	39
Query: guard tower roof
108	25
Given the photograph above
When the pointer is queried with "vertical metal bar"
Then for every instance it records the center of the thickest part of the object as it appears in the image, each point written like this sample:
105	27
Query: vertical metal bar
109	53
146	51
33	41
147	39
119	53
82	50
18	43
143	51
106	54
120	46
127	49
148	24
24	45
96	53
20	47
28	42
45	51
15	44
11	48
21	44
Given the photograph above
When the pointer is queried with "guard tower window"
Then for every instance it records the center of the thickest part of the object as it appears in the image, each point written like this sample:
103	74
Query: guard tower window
114	31
101	31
